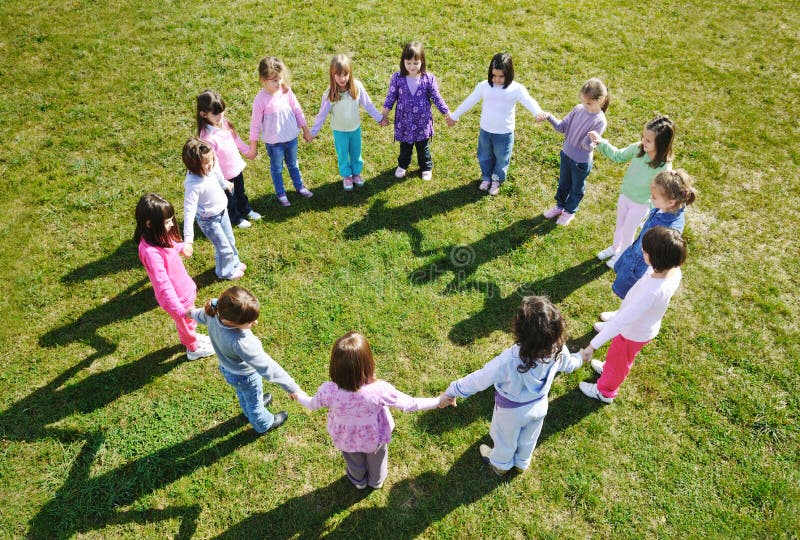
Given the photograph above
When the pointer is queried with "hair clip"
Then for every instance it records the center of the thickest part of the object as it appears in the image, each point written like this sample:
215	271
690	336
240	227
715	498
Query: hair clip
214	303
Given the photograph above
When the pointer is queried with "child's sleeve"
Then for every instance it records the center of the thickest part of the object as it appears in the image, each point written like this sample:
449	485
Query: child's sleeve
569	362
156	268
631	310
470	102
392	397
599	126
199	315
191	197
321	398
528	102
240	144
392	93
478	380
324	109
615	154
437	98
560	125
366	102
252	352
296	109
256	118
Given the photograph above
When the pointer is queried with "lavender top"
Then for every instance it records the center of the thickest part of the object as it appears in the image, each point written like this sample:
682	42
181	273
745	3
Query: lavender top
576	127
413	120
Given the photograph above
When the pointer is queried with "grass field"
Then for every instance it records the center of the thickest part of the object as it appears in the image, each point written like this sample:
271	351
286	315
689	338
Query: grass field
106	430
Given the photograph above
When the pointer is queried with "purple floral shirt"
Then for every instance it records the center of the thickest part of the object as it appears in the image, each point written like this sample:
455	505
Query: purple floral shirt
413	120
360	421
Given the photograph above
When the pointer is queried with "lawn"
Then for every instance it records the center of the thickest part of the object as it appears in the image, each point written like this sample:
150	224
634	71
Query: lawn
107	430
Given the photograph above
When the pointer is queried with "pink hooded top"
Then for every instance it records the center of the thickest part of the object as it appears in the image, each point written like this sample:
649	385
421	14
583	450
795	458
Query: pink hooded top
172	285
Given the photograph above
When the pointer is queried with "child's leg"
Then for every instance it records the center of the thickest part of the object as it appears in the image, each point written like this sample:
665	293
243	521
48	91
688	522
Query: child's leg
486	156
528	437
186	331
219	231
504	430
250	392
233	208
354	150
404	159
341	144
619	360
242	202
503	146
564	181
577	183
275	152
377	466
424	155
629	217
290	155
356	468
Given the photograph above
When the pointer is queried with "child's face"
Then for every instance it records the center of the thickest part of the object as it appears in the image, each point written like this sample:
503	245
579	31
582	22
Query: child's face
208	162
273	84
649	142
591	105
341	79
498	77
213	119
660	200
413	66
169	223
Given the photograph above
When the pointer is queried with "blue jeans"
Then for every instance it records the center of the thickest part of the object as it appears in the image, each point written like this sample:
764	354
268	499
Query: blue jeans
348	152
226	257
494	154
278	153
250	392
571	183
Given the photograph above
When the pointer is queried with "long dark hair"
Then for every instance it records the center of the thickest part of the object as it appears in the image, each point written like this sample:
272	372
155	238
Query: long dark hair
411	51
151	213
208	102
664	129
539	330
503	62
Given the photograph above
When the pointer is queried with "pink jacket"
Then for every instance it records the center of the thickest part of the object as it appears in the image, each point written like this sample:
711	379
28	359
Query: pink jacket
173	286
227	144
277	118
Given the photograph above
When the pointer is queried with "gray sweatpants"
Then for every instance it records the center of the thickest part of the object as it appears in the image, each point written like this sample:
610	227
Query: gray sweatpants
368	468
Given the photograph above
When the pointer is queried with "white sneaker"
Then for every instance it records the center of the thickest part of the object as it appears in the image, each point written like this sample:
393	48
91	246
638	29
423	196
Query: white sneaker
606	253
612	261
598	326
590	390
253	215
399	172
244	224
203	338
607	315
597	366
203	349
427	175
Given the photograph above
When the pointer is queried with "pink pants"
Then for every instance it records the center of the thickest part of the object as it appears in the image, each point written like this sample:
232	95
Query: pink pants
619	360
629	216
186	329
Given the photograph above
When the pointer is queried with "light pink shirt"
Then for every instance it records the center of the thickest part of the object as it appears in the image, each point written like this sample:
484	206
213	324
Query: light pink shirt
360	421
226	144
171	283
277	118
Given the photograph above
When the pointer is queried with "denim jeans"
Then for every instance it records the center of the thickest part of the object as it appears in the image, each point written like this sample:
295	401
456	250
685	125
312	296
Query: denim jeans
423	155
226	257
238	203
571	183
250	392
494	154
348	152
278	153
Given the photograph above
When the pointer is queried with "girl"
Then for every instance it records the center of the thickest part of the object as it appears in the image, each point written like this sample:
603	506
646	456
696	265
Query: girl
204	199
648	157
215	129
413	89
500	94
345	93
576	154
670	192
639	317
160	248
278	118
359	421
522	376
242	359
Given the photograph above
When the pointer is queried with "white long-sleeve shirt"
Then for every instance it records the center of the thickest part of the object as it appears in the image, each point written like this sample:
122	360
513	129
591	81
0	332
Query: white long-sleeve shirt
203	196
499	106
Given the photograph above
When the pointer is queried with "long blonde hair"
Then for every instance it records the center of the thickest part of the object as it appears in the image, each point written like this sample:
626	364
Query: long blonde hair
341	63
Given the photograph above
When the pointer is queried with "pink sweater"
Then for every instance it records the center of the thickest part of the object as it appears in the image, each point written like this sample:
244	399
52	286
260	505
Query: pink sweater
226	144
172	285
360	421
277	118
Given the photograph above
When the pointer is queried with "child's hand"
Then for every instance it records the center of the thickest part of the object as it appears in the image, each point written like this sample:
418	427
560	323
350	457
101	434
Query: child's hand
250	154
384	121
229	186
445	400
586	353
542	116
294	396
187	250
595	137
308	136
450	121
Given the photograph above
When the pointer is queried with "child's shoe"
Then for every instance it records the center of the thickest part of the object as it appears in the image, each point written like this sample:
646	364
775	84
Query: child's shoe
606	253
399	172
284	200
203	349
607	315
243	224
553	212
484	451
236	275
565	218
612	261
379	486
597	366
242	266
590	390
305	192
253	215
495	189
347	183
279	420
427	175
358	181
361	486
202	337
484	185
598	326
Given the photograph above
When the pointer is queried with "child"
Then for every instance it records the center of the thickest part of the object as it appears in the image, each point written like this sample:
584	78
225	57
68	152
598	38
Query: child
204	199
159	250
670	192
500	94
215	129
576	154
639	317
278	118
345	93
522	376
359	421
648	157
242	359
413	89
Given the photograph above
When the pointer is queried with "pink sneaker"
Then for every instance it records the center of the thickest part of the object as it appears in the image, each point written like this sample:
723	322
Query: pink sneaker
305	192
553	212
284	200
358	181
484	185
495	189
565	218
347	182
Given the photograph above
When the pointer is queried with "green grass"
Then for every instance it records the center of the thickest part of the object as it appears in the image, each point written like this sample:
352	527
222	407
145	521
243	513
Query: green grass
106	430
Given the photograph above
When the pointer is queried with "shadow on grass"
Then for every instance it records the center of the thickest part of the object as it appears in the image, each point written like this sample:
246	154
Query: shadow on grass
87	503
123	258
414	504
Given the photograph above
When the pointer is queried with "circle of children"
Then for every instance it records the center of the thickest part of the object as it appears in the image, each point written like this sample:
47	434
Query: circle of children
647	266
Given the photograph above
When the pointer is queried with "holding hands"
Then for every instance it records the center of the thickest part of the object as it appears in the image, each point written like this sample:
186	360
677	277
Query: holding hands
187	250
542	116
586	353
450	122
595	137
445	400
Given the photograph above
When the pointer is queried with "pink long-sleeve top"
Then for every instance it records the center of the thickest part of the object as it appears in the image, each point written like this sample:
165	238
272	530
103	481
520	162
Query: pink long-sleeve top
360	421
226	144
171	283
277	118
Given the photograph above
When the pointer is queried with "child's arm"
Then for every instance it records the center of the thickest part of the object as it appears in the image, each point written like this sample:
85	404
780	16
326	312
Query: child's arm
156	269
478	380
392	397
612	152
569	362
321	398
324	109
629	312
559	125
437	98
468	103
240	144
255	127
299	116
252	352
190	199
529	103
366	102
392	94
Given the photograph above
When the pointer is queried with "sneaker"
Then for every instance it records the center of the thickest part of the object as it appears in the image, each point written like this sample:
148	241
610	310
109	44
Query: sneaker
598	326
565	218
590	390
612	261
379	486
427	175
203	349
361	486
358	181
284	200
347	183
484	185
203	338
236	275
495	189
279	420
399	172
597	366
305	192
484	451
606	253
253	215
607	315
553	212
520	470
242	266
244	224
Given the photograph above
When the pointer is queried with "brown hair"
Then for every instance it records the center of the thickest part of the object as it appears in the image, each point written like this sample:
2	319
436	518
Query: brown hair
539	330
208	102
411	51
504	63
677	186
352	365
151	213
236	305
341	63
665	248
269	66
194	155
595	89
664	130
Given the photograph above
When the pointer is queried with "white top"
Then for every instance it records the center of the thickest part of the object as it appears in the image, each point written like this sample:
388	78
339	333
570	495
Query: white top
639	316
203	196
499	105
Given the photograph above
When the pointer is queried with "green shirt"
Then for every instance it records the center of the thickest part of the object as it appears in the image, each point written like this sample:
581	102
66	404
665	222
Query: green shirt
637	179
